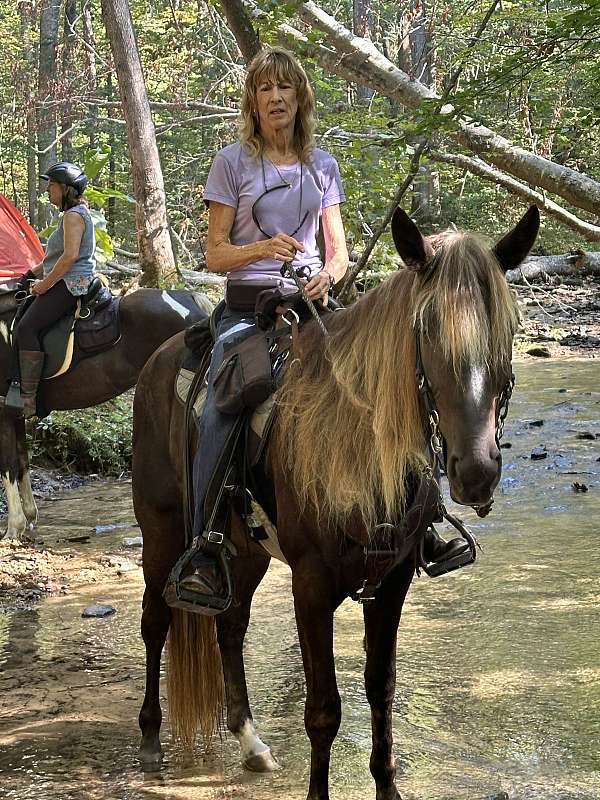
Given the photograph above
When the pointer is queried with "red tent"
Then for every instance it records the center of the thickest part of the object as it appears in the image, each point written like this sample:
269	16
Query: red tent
20	248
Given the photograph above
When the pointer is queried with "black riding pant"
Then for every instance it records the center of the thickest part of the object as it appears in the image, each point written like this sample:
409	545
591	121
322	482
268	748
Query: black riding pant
43	312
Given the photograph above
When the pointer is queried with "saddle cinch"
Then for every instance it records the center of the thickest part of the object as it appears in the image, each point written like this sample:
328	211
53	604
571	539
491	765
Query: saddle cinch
90	329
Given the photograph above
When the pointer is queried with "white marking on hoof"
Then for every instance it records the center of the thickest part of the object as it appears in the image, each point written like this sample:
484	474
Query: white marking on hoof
265	762
256	755
177	307
27	499
17	524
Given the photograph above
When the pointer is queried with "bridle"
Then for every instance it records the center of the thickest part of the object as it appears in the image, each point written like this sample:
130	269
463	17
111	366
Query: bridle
436	444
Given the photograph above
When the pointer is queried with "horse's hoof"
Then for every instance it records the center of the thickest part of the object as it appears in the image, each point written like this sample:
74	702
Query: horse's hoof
262	762
150	759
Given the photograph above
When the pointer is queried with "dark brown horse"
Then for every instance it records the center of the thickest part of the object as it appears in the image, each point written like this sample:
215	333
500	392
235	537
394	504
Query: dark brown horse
350	436
148	318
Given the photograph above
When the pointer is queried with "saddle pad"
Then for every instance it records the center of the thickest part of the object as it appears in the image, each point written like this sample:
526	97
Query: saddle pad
260	428
57	344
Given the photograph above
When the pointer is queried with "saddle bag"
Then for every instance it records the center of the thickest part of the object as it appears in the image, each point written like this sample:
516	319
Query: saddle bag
100	330
240	295
244	380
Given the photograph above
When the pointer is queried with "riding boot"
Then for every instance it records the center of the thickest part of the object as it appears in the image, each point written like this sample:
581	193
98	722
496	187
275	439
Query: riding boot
207	577
31	364
436	549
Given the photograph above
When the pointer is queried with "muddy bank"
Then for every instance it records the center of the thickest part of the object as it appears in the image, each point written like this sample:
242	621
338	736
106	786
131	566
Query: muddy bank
561	320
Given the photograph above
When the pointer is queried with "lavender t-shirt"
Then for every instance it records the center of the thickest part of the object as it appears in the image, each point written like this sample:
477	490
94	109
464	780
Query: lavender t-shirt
235	179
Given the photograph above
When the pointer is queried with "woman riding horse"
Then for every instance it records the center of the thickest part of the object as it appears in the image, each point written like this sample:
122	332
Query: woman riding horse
67	269
267	195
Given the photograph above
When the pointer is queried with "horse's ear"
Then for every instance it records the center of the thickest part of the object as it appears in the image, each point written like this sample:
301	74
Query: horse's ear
513	248
415	251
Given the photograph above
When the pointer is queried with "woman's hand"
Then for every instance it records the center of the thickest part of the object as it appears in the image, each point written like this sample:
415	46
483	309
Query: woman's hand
40	287
318	286
281	247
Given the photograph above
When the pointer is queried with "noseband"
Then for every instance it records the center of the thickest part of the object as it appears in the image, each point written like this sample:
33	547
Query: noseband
436	440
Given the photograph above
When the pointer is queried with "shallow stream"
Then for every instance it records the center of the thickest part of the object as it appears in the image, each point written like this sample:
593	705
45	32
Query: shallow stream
498	665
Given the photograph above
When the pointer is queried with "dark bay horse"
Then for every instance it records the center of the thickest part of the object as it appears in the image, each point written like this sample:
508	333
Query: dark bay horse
148	318
350	435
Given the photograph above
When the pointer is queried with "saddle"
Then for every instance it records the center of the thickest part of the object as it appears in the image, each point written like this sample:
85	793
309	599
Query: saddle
90	329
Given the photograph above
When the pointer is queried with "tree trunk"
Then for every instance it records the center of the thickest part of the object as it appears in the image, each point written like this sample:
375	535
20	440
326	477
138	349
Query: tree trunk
359	60
46	117
362	27
425	201
68	72
154	242
91	75
241	25
26	10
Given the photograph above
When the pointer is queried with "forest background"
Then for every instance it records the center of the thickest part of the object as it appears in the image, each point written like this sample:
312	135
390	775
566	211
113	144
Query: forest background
403	89
527	70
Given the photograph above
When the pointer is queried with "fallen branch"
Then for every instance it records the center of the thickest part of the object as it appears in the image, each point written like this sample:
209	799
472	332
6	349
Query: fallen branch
189	275
478	167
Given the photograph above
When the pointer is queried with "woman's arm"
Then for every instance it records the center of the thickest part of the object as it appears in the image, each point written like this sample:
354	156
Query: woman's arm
73	228
336	254
336	250
222	256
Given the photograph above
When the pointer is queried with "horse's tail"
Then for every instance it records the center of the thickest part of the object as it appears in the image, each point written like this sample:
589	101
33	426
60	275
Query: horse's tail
195	687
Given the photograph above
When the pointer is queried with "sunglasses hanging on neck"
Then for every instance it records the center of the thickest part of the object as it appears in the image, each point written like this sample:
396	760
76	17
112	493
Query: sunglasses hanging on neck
268	190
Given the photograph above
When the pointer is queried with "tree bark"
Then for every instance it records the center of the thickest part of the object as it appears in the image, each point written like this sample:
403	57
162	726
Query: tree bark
154	243
91	73
359	60
27	14
240	23
478	167
46	116
68	70
361	19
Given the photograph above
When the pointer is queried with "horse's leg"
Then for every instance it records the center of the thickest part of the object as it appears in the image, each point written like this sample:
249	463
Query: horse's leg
9	465
156	617
24	475
248	571
314	608
382	617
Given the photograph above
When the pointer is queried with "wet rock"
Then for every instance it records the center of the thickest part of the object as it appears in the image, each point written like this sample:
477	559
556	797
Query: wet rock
540	352
100	529
535	423
505	446
98	611
586	436
579	487
133	541
562	391
538	453
499	796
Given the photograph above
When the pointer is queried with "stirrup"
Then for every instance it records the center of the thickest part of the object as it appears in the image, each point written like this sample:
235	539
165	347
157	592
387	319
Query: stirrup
178	596
437	568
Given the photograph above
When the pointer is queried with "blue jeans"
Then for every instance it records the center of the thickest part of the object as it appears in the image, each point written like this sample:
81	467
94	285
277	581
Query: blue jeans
213	427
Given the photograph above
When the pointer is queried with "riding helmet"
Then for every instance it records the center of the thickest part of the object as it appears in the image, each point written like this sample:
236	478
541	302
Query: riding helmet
68	174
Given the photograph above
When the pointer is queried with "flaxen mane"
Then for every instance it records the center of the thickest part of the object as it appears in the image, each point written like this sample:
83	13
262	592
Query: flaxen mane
350	428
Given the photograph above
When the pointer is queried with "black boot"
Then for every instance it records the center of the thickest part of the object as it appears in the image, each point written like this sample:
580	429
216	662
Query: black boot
441	556
206	578
31	364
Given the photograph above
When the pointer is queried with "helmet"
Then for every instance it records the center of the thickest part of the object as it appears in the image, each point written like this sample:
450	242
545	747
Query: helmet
68	174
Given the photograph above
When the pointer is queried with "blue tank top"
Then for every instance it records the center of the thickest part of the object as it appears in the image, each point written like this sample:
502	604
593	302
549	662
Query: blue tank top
78	278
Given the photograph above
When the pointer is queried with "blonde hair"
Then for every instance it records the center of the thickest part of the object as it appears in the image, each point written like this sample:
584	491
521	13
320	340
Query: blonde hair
359	381
276	64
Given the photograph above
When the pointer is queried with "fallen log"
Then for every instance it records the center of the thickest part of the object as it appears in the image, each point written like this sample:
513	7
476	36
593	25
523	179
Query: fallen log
575	263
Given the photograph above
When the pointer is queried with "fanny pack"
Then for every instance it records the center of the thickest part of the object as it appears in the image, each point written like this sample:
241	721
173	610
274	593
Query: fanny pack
240	295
